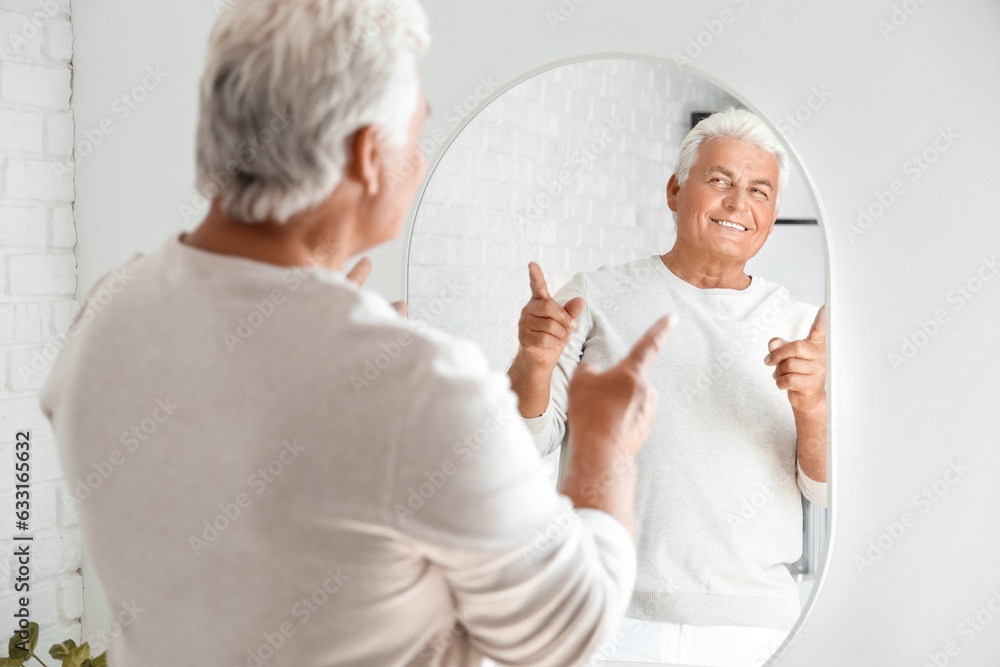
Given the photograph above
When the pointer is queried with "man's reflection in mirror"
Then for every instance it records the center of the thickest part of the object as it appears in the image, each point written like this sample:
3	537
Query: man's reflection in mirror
741	420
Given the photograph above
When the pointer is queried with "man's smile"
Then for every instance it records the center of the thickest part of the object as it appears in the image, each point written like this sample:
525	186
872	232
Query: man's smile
731	225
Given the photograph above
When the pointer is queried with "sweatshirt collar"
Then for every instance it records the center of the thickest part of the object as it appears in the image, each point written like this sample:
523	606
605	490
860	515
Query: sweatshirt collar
754	288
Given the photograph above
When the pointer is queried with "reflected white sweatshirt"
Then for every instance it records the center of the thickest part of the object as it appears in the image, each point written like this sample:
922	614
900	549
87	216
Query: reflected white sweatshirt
718	507
279	470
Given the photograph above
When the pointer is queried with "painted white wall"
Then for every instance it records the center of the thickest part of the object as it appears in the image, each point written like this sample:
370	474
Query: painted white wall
892	94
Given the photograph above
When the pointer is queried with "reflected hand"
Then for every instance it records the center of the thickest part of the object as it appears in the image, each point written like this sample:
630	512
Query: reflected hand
615	408
801	366
545	327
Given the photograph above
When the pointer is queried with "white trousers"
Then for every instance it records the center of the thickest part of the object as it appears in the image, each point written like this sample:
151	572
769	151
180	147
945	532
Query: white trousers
702	645
639	641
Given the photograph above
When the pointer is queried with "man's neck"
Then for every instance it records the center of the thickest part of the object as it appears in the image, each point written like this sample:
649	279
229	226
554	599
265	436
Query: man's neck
298	242
706	274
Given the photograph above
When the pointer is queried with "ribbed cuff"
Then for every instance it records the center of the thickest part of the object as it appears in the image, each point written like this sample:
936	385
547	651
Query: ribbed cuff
815	492
537	425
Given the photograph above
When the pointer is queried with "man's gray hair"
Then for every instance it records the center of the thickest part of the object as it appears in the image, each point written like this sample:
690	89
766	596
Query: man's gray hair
738	124
287	84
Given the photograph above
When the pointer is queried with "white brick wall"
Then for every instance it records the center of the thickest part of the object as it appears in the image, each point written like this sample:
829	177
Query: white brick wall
37	299
475	224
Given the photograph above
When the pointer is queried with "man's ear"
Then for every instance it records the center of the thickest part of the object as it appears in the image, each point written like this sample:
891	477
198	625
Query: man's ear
673	187
365	159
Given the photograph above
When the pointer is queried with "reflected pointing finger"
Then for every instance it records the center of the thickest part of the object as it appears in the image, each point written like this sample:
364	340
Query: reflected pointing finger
539	290
817	332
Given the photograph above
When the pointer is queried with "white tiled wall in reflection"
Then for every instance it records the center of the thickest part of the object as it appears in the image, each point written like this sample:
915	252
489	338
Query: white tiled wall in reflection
569	169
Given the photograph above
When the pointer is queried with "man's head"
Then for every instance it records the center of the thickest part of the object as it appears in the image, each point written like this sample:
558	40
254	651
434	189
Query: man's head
287	89
731	170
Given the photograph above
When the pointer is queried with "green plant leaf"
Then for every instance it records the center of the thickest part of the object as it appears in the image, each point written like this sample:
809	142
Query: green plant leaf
77	656
62	651
100	661
11	662
15	651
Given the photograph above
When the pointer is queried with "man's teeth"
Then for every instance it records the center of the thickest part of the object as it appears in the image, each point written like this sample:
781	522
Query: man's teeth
726	223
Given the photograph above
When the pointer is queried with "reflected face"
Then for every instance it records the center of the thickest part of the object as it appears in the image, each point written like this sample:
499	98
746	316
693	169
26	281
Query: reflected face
726	207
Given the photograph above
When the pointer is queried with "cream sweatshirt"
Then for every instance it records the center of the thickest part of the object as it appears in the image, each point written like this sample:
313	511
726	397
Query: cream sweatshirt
718	507
277	469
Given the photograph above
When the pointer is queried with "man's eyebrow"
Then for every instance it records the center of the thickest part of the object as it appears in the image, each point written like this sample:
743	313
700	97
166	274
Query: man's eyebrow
722	170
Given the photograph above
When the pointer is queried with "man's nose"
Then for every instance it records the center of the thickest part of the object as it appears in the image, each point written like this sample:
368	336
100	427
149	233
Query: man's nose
737	199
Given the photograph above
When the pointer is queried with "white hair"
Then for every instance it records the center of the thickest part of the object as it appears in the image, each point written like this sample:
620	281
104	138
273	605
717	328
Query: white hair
738	124
287	84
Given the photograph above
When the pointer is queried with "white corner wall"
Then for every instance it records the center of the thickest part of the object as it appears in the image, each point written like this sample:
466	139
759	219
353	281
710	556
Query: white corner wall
37	302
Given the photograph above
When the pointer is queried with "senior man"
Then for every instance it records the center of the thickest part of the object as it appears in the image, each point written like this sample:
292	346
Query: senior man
279	513
742	418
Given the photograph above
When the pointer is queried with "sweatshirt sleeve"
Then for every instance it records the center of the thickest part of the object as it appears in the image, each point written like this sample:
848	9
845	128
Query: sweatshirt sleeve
549	429
535	581
815	492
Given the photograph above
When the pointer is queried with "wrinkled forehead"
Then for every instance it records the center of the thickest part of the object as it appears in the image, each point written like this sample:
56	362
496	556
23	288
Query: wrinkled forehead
739	161
723	151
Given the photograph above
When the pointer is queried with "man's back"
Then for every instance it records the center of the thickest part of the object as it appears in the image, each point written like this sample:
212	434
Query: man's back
288	473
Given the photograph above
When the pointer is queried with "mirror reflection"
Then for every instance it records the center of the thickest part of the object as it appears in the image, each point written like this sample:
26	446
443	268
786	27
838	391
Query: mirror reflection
569	215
